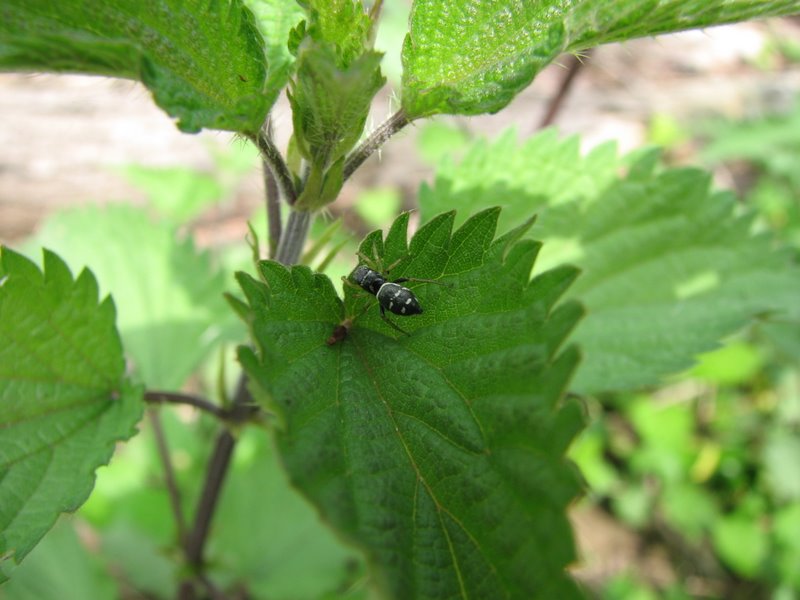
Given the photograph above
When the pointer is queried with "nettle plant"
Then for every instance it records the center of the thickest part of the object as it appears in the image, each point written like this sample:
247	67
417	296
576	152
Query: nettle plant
434	444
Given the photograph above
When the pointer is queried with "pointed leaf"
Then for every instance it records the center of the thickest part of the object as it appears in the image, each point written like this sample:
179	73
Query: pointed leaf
474	56
439	453
203	60
64	400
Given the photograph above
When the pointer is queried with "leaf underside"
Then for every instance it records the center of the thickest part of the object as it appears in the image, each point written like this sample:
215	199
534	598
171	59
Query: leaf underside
64	400
668	269
440	453
474	56
203	60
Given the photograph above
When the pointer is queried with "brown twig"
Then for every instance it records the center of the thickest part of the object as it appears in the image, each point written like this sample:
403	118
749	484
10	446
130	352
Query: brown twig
158	397
573	67
242	409
169	474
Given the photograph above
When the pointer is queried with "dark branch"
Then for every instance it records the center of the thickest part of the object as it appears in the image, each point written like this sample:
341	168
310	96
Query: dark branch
242	409
573	67
169	474
294	237
374	141
157	397
272	157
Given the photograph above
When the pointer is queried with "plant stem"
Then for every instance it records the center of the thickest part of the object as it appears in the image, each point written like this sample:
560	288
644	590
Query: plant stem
574	65
374	141
272	157
273	200
241	409
157	397
293	238
169	474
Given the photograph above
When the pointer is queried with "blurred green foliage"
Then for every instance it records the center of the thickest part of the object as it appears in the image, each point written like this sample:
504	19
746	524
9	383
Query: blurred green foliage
709	466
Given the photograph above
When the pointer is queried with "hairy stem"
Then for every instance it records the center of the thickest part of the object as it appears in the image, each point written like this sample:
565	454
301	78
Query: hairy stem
272	157
293	238
573	67
273	199
374	141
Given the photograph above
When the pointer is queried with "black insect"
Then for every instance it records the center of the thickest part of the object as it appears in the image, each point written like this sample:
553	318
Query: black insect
391	295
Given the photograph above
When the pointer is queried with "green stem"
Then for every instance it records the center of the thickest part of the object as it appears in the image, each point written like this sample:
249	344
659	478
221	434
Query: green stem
273	199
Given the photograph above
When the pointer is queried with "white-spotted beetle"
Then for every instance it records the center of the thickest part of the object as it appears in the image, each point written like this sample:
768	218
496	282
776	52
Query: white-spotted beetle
391	295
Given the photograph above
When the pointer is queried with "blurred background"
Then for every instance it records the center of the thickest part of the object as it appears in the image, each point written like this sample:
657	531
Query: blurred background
694	488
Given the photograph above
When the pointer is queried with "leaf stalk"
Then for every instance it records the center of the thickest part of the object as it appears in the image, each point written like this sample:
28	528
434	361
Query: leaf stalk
374	141
274	160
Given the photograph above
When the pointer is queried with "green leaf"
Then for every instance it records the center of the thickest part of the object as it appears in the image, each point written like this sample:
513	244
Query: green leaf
733	364
522	178
341	24
741	542
772	142
61	567
668	268
473	56
275	19
591	24
781	467
785	528
440	453
689	508
168	295
202	60
64	399
337	75
330	105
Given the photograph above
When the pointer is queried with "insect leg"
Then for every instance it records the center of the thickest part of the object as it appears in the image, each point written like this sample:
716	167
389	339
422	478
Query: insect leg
352	284
415	279
390	323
